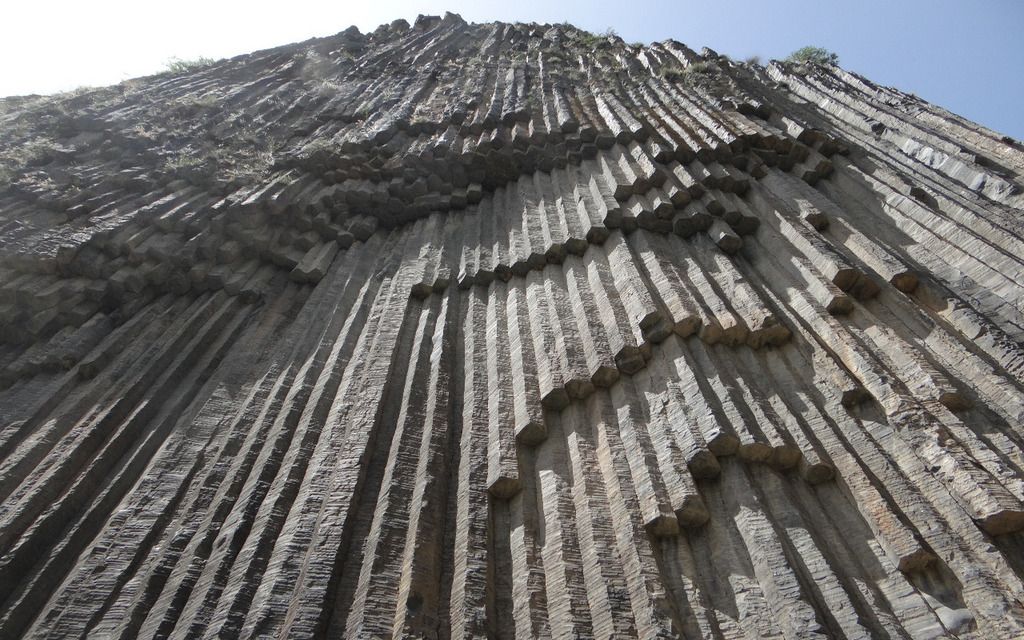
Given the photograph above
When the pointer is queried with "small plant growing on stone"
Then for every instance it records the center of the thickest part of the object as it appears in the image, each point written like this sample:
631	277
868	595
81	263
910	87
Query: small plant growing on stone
700	74
692	75
177	65
250	166
589	40
813	55
671	72
184	161
30	153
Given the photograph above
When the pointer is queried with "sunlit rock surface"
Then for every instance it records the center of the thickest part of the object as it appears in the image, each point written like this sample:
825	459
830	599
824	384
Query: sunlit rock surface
498	330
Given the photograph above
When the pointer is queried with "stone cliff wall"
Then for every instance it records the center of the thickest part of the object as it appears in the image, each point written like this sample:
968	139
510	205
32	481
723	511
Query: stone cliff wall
512	331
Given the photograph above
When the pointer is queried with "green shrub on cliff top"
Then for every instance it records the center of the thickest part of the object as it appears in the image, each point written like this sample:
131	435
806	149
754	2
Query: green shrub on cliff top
815	55
177	65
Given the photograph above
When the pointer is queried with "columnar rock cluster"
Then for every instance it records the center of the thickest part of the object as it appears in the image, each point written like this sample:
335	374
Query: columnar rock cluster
501	330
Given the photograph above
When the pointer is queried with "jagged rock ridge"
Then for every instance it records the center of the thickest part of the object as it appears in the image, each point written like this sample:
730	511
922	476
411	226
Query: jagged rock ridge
513	331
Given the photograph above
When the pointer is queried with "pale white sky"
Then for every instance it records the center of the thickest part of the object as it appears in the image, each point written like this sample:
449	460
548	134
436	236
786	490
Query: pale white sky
965	56
57	45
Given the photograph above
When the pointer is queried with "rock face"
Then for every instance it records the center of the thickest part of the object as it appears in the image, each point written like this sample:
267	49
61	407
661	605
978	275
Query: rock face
511	331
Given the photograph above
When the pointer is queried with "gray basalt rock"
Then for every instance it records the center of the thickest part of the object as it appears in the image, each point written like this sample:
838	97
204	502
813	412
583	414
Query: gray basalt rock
504	330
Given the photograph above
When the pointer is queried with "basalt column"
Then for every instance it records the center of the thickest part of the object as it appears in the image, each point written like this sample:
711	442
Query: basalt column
508	331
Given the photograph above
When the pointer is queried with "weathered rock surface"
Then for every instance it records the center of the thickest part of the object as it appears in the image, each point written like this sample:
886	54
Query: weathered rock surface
499	330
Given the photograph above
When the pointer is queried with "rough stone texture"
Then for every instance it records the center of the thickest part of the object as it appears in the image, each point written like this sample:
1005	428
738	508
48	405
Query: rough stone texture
513	331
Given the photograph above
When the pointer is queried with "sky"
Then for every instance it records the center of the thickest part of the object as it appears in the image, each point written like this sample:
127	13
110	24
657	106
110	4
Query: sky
965	56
